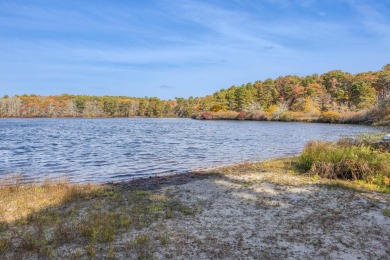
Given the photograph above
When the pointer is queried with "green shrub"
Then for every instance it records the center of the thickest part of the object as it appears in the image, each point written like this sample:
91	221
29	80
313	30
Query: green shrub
346	160
258	116
216	108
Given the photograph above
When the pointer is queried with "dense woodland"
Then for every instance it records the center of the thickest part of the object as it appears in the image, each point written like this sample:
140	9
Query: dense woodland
335	96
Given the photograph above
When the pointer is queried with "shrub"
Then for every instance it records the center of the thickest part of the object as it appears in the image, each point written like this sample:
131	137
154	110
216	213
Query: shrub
293	116
207	115
354	117
275	111
346	160
225	115
330	117
272	109
258	115
380	114
241	116
216	108
298	116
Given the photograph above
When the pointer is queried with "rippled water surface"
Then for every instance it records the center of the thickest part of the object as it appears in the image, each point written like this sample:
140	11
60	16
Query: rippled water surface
99	150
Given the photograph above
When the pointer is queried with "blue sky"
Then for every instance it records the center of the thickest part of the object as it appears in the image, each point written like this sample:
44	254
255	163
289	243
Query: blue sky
170	48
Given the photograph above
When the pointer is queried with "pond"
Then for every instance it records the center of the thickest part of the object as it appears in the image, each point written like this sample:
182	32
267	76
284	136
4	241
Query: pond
112	149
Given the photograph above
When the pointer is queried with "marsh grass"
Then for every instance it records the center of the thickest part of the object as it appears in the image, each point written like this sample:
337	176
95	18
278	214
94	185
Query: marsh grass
37	219
17	200
346	161
359	160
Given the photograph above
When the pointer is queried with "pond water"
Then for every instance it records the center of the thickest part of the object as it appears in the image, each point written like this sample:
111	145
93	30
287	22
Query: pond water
101	150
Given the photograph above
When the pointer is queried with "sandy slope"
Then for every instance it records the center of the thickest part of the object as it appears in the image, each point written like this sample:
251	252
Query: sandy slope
267	215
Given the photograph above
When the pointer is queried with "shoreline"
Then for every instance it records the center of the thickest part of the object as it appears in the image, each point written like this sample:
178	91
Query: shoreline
311	121
138	180
154	180
257	210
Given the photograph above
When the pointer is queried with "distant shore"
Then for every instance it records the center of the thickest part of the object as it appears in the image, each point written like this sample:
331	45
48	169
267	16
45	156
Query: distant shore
235	116
335	118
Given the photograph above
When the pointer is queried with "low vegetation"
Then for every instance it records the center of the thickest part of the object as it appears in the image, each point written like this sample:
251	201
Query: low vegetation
360	160
38	220
378	115
360	163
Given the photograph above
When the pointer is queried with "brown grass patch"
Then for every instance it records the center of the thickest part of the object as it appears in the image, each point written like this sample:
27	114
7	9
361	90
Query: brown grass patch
37	220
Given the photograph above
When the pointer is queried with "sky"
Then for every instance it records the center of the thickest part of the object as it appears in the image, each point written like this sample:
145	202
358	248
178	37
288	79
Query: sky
180	48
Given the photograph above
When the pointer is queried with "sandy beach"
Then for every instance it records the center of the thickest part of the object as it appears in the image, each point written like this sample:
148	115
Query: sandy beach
268	215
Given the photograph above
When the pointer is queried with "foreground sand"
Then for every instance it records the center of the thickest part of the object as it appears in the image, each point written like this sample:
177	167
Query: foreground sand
268	215
254	214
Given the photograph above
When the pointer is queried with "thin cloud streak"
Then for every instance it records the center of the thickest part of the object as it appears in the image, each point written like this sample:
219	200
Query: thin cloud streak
166	87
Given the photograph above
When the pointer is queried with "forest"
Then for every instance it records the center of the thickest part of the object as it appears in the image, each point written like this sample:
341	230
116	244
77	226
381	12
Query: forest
335	96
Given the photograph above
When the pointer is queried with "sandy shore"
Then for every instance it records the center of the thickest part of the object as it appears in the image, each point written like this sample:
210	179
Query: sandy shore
250	214
269	215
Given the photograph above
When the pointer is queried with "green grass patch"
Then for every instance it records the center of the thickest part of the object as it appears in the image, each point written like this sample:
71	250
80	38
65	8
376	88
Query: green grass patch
356	160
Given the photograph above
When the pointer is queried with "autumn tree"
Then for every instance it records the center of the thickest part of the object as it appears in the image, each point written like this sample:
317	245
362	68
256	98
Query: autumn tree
266	93
362	95
382	85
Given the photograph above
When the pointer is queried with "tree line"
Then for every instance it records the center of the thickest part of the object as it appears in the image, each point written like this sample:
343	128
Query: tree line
84	106
332	93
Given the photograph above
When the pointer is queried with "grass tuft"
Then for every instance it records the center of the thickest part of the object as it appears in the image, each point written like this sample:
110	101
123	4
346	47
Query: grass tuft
347	160
5	244
143	245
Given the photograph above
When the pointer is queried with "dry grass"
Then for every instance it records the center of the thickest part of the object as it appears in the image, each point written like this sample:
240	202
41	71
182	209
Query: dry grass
283	165
232	115
289	116
40	220
17	201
